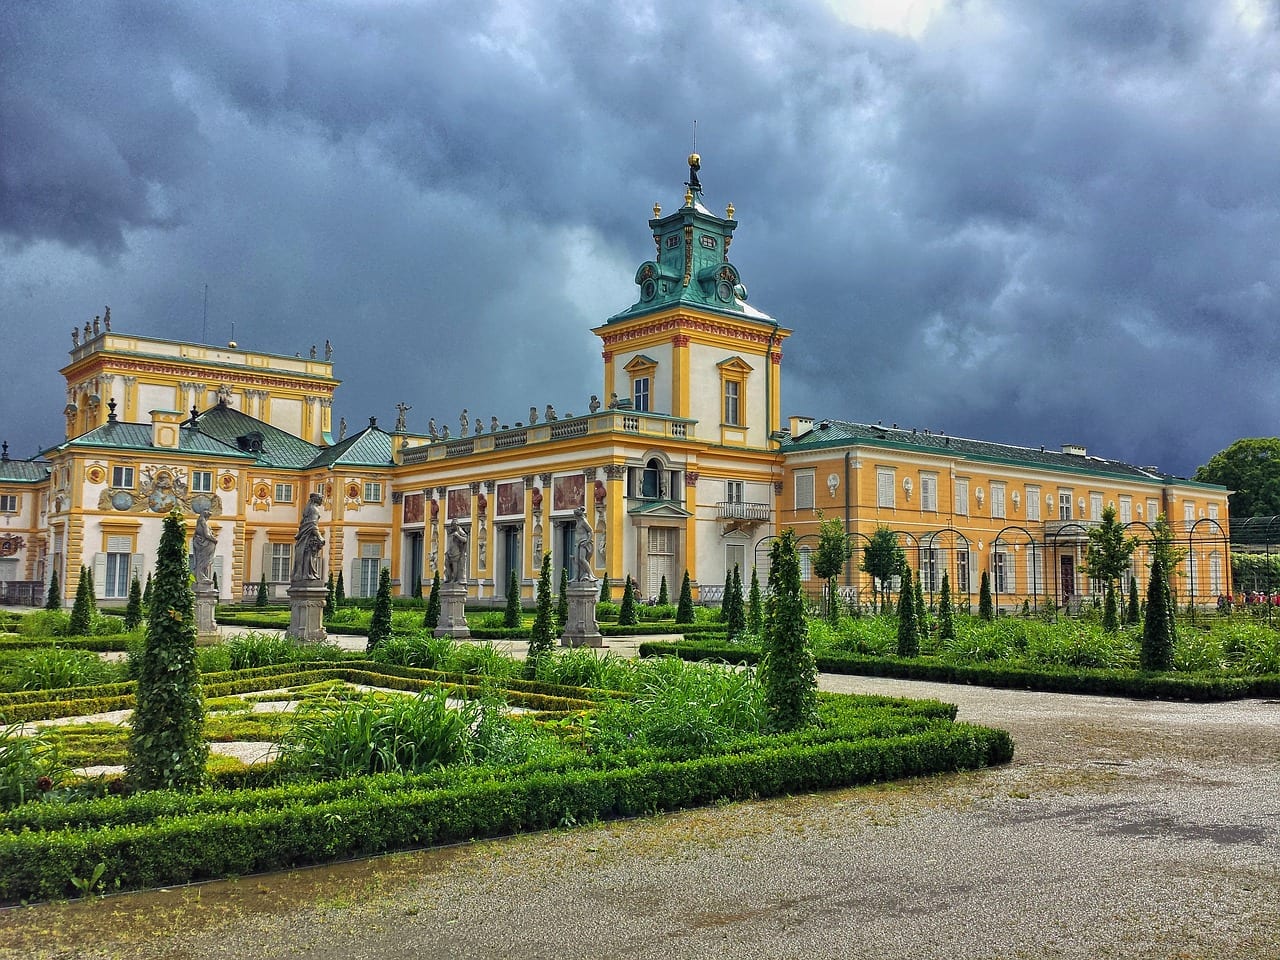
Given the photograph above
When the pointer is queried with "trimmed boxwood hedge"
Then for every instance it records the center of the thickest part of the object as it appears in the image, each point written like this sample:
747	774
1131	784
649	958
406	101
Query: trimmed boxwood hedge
161	839
1203	688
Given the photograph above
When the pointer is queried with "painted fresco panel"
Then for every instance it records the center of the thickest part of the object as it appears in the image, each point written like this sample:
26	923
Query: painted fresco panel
412	508
510	499
459	504
568	493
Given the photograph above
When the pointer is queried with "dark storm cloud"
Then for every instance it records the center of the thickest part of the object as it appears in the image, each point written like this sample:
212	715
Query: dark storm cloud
1032	222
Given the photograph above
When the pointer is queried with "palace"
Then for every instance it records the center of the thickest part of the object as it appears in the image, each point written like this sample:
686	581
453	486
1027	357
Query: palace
686	467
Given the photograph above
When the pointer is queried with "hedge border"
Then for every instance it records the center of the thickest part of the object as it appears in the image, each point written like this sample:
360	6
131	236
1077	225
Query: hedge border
1111	683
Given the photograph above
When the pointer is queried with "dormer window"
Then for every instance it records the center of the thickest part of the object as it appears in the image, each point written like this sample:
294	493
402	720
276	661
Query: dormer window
641	370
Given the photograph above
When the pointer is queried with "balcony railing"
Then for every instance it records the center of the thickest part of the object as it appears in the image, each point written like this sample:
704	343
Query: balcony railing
737	510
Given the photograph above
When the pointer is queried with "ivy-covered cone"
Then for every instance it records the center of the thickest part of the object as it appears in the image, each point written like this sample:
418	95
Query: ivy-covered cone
167	748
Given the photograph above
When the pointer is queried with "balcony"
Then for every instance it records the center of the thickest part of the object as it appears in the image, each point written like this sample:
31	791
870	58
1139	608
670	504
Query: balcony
737	510
1068	531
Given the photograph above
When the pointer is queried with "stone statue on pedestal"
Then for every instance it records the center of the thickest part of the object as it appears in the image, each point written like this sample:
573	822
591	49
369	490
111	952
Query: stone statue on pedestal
203	544
308	544
584	546
455	553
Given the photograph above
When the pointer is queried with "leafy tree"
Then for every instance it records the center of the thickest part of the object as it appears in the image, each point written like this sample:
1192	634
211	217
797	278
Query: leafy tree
606	592
788	672
431	618
53	599
1109	552
167	748
330	603
627	614
1157	630
340	592
543	633
946	616
908	629
684	608
513	616
834	551
986	610
82	607
1133	615
380	622
664	597
1251	468
562	600
737	617
133	612
883	558
755	607
263	599
1110	613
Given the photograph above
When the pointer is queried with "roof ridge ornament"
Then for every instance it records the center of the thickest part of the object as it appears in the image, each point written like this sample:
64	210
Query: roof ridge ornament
693	184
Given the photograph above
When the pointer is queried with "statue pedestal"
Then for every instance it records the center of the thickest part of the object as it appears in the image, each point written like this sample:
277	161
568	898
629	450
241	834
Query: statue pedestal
582	630
306	612
453	612
206	625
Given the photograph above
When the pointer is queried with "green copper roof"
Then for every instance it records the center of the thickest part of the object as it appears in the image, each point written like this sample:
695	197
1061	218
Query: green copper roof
692	266
23	471
371	447
269	445
116	435
843	433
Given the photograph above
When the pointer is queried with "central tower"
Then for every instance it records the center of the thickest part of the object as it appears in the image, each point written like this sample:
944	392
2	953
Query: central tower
691	346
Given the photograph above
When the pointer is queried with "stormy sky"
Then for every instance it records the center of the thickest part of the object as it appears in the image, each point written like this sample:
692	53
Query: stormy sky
1033	222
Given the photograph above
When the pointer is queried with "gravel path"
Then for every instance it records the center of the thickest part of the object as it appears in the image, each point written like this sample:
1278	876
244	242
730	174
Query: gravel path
1122	829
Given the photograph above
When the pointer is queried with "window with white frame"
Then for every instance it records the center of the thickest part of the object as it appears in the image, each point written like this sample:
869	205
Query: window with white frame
734	491
1002	570
806	563
997	499
370	568
202	481
735	555
929	491
1153	511
1188	513
119	560
930	577
732	403
122	477
8	503
1095	506
1213	511
1033	503
372	494
962	571
1035	569
1126	509
962	496
1215	573
804	490
1064	504
640	394
281	562
284	493
885	492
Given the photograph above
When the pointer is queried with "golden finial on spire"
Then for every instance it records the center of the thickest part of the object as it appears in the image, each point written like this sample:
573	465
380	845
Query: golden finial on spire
728	212
657	210
688	198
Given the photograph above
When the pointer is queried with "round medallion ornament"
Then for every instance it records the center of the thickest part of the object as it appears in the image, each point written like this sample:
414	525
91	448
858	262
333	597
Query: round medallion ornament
353	491
122	500
96	475
227	481
262	491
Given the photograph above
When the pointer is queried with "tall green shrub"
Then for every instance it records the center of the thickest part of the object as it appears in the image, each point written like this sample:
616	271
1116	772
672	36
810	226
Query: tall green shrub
664	597
684	607
788	672
986	610
1133	615
562	599
543	633
166	743
606	592
627	615
512	615
146	593
755	606
1110	612
737	612
133	612
946	616
340	591
922	612
726	598
834	551
53	599
263	598
1157	631
330	602
431	618
908	629
380	622
82	607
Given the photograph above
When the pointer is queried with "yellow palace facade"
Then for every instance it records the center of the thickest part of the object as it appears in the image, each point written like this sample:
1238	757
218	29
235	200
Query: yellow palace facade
681	463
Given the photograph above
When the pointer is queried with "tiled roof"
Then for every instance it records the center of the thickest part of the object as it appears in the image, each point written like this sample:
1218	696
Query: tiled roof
23	471
839	433
370	447
279	449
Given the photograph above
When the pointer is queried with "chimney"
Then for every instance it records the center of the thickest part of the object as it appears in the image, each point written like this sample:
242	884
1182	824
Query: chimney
800	426
1074	449
164	428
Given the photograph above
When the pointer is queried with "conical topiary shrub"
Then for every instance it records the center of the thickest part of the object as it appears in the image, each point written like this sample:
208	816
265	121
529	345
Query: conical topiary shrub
53	598
431	618
380	622
908	629
512	616
82	608
542	635
627	615
684	609
133	612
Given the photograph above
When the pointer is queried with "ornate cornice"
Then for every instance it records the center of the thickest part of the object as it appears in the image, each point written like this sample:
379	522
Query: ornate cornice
181	370
715	327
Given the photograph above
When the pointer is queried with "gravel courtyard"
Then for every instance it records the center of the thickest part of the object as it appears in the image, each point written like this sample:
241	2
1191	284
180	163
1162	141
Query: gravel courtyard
1122	829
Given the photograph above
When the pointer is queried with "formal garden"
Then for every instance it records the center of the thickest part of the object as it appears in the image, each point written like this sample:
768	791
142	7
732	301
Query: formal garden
132	758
